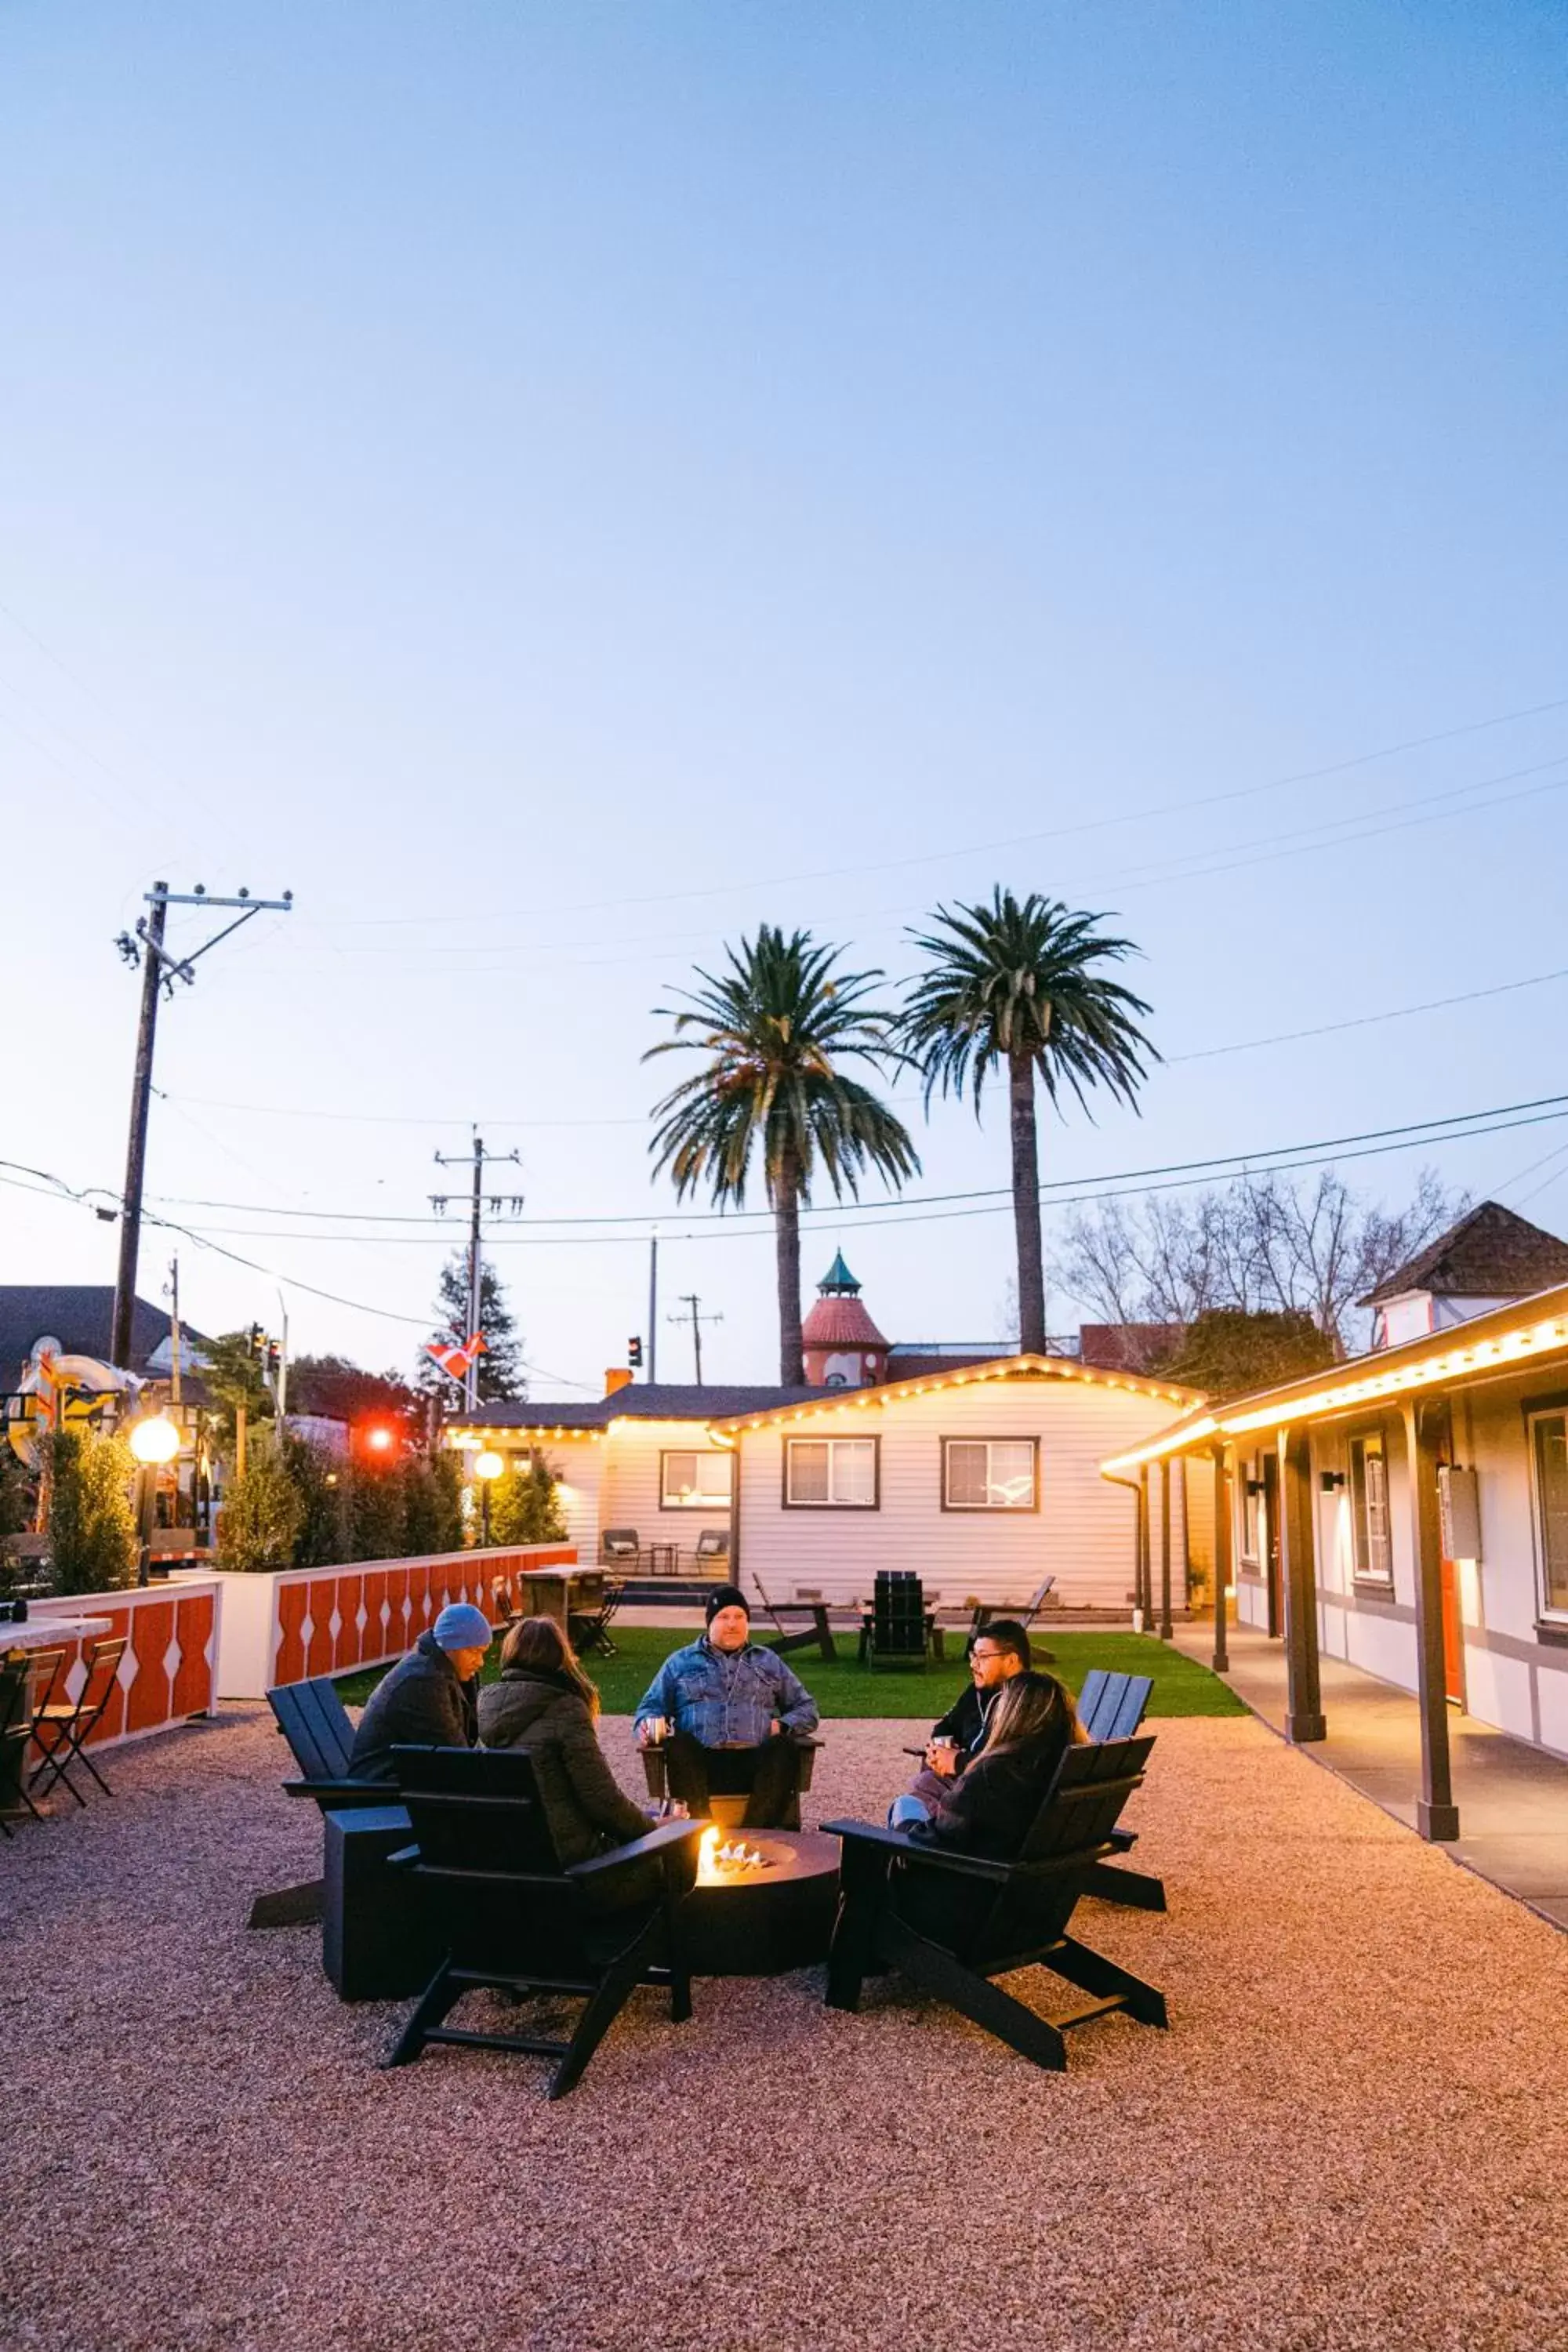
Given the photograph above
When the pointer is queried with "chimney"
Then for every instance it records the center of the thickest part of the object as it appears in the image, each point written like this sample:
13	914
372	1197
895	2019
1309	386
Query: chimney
615	1379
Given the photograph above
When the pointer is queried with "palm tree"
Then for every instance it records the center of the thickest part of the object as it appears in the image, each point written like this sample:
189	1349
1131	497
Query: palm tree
1016	985
776	1026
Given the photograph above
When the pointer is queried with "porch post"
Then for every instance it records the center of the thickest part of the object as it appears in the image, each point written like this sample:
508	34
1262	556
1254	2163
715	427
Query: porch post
1145	1592
1437	1815
1164	1546
1184	1490
1304	1698
1222	1561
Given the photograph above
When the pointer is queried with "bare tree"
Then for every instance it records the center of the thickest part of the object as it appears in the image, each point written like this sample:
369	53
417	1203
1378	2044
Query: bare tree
1264	1243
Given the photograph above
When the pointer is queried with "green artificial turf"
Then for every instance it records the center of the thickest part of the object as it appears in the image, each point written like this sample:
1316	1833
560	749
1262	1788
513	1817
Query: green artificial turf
1182	1686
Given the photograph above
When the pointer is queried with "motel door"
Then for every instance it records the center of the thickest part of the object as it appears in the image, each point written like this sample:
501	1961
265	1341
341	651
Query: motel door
1271	1536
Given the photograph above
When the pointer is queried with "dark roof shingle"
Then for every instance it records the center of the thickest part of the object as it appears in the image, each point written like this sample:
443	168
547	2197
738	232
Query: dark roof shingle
80	1316
1492	1252
639	1400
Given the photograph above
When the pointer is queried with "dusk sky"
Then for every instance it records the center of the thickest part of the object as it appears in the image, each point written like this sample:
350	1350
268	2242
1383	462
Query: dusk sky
556	485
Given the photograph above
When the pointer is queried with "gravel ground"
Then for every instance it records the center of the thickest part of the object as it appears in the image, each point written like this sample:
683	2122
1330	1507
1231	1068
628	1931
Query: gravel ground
1354	2135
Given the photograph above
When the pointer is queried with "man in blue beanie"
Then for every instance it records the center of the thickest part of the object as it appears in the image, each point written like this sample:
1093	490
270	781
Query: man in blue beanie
429	1700
728	1716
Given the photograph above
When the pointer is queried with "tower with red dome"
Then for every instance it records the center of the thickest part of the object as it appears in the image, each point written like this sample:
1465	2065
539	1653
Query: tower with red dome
844	1349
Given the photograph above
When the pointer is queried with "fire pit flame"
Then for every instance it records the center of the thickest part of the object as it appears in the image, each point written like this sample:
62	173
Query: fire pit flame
720	1859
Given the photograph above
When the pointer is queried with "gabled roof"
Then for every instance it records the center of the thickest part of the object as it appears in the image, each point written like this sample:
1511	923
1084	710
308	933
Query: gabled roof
1532	1331
80	1316
807	1404
1492	1252
639	1401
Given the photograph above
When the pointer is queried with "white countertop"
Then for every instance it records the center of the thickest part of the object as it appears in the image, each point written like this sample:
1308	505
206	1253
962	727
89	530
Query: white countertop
43	1632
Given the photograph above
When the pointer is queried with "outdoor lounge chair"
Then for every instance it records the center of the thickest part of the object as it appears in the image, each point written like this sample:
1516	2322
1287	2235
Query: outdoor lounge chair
17	1728
819	1630
712	1544
1111	1707
951	1921
619	1548
729	1809
514	1920
899	1629
1024	1612
315	1722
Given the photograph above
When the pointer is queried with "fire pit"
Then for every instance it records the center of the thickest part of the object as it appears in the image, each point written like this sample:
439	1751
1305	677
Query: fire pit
764	1901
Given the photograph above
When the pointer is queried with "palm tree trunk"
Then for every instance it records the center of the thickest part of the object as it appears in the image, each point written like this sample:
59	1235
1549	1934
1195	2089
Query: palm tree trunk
786	1225
1026	1206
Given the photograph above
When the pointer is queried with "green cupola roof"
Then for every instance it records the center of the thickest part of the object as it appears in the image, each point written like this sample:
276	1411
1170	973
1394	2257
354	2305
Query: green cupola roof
838	1282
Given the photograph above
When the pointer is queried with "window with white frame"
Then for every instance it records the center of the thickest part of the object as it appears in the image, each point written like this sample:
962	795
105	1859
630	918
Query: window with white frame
695	1482
1371	1543
989	1474
826	1473
1549	1458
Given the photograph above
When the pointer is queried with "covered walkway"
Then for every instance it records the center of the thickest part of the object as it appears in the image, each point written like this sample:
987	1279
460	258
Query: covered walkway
1512	1799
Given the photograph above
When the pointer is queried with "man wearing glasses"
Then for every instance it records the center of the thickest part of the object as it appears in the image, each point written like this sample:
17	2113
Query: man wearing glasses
996	1653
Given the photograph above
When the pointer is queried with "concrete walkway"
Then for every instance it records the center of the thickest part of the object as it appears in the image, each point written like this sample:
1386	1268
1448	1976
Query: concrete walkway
1512	1799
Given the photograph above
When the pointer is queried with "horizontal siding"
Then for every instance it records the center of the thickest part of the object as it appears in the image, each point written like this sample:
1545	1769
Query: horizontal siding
630	1495
1083	1533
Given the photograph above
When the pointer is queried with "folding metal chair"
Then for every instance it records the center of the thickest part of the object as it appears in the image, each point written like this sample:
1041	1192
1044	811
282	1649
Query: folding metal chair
17	1728
71	1723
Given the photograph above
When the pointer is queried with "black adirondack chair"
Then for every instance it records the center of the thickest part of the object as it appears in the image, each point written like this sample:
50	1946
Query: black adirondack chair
1111	1707
815	1631
951	1921
321	1736
1025	1612
514	1920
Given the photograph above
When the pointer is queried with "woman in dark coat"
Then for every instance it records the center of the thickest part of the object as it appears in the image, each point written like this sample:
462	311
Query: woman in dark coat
545	1705
990	1808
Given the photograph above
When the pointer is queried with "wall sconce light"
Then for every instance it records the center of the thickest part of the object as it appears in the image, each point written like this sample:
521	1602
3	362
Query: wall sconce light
1330	1479
1255	1486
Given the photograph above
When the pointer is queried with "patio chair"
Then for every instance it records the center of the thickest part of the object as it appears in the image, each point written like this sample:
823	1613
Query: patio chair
898	1630
70	1723
1111	1707
588	1624
1025	1612
504	1598
728	1809
619	1548
952	1922
321	1736
819	1630
16	1669
712	1544
515	1921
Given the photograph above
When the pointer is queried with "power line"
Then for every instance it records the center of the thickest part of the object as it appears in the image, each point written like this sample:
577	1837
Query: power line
1368	1020
1417	1130
1012	841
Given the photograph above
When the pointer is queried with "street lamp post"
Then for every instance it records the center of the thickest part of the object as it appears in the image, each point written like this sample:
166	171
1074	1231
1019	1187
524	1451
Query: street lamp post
153	1442
487	1467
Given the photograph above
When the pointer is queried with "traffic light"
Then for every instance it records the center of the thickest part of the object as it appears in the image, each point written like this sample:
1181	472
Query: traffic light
257	1338
634	1354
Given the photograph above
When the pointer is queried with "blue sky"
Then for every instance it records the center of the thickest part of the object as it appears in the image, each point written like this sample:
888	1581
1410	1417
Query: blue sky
554	487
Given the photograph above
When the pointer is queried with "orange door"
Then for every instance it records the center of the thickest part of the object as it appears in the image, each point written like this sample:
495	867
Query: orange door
1453	1637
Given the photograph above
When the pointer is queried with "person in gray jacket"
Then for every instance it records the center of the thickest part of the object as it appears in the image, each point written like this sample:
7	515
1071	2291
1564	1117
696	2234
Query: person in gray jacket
427	1699
545	1705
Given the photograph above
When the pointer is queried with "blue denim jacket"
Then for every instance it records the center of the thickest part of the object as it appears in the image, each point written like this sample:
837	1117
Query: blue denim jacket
728	1698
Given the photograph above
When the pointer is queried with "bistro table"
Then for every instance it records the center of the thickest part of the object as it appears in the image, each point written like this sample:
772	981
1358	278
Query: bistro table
663	1559
36	1633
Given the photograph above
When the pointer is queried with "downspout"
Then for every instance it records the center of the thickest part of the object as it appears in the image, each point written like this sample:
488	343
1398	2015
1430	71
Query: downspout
1136	1487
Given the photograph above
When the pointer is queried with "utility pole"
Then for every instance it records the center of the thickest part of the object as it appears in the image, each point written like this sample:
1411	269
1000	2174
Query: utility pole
692	1298
652	1308
160	970
509	1205
175	1329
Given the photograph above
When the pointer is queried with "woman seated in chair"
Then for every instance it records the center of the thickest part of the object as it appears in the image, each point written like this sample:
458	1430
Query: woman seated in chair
990	1809
546	1705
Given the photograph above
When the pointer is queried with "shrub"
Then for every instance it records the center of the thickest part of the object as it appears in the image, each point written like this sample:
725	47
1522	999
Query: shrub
321	1480
92	1527
263	1515
434	1492
525	1508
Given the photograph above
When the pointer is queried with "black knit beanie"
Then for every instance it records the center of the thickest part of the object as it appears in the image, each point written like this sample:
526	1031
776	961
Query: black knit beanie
725	1596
